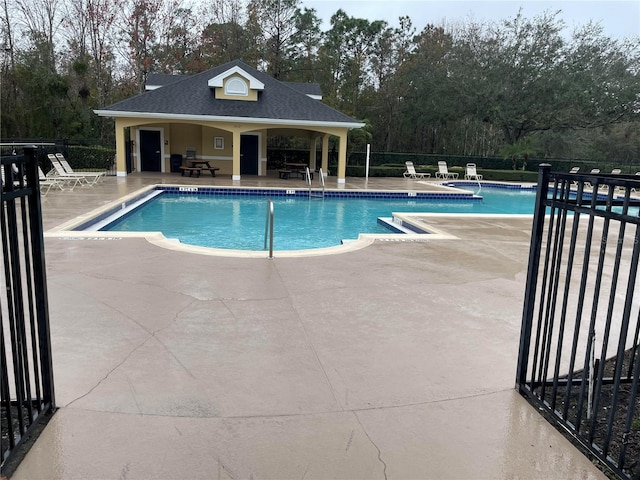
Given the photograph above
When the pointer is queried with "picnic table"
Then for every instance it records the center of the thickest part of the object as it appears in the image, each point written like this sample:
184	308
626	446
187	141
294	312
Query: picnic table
196	166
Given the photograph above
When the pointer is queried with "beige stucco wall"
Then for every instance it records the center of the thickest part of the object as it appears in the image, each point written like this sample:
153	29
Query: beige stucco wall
177	135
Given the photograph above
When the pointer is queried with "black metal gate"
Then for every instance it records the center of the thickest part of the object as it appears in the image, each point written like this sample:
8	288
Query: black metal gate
579	359
26	377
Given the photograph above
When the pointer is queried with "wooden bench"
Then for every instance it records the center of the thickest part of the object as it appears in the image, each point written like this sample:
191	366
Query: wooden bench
191	170
284	173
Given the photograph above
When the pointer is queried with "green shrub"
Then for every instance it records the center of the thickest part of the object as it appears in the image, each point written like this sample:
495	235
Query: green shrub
397	171
91	158
488	163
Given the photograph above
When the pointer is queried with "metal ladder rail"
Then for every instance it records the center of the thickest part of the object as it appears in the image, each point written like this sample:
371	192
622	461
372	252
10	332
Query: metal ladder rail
268	228
310	183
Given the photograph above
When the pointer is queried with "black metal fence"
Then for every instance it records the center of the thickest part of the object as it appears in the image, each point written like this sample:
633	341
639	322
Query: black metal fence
26	377
579	359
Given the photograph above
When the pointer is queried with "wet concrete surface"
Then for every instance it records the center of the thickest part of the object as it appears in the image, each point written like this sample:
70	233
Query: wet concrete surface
394	361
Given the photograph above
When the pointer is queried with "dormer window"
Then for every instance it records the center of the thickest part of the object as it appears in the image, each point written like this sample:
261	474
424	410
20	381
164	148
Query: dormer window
236	84
237	87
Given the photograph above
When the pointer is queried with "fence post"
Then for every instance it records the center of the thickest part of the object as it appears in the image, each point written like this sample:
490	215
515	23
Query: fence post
40	279
532	273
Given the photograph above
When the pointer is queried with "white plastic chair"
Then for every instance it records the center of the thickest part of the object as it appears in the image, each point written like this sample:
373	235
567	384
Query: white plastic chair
443	172
471	173
411	172
47	182
90	177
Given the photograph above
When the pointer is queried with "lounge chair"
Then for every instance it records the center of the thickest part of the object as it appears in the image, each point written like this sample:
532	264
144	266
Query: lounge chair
16	182
46	183
411	172
635	189
615	171
574	170
471	173
594	171
59	173
90	177
443	172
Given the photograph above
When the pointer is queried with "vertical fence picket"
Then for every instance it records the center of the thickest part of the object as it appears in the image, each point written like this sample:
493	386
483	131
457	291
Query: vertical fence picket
26	375
573	326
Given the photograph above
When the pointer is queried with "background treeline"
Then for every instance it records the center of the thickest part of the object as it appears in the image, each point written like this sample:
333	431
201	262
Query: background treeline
516	88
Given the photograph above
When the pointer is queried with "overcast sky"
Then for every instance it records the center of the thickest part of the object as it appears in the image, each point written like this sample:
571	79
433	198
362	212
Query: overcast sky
619	18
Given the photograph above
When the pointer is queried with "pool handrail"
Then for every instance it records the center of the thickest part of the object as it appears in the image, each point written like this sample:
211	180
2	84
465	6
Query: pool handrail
310	183
268	228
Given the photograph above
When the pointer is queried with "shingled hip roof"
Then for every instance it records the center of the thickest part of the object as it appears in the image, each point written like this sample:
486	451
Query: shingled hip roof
192	98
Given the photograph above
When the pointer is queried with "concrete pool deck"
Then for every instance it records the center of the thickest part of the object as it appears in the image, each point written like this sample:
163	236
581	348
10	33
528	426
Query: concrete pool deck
393	361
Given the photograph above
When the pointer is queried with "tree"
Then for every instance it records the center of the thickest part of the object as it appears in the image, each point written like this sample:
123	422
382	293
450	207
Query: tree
306	42
389	68
41	18
523	77
176	50
139	26
601	80
522	149
10	113
278	21
229	34
346	53
431	99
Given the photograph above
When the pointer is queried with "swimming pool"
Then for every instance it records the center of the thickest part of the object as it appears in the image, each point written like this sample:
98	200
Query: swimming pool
237	221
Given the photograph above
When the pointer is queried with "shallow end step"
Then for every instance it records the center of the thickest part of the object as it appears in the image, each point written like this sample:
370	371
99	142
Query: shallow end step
395	227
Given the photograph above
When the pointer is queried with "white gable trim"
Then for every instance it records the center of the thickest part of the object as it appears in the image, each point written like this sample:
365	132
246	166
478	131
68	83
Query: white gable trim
218	81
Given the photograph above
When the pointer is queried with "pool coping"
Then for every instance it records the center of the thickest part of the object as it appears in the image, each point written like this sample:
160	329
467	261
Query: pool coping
408	220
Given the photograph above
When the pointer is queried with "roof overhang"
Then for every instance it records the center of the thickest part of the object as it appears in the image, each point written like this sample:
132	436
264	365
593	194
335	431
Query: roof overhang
212	118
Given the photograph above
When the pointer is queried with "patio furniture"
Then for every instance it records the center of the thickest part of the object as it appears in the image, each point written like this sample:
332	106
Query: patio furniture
46	183
93	176
16	182
471	173
70	179
411	172
594	171
443	172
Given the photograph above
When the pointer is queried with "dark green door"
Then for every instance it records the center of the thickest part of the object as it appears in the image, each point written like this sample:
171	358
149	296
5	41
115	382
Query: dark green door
150	151
249	155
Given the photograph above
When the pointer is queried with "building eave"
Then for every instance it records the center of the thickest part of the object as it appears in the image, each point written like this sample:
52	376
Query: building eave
212	118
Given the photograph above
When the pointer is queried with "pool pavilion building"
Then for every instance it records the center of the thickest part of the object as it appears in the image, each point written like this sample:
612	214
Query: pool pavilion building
225	114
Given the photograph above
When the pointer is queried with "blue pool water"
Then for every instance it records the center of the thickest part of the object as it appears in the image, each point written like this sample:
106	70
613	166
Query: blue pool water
238	222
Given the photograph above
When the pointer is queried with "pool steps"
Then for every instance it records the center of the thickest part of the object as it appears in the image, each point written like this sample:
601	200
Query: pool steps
397	226
124	209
